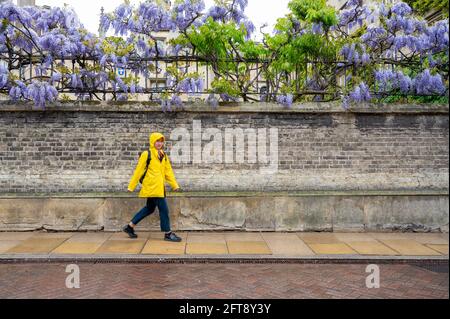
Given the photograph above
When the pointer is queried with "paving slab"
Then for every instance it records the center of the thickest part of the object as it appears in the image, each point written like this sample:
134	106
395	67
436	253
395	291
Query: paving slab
206	248
6	245
409	247
90	237
318	238
355	237
372	248
206	238
438	239
422	238
121	247
155	235
332	249
248	248
124	236
77	248
64	235
382	236
15	235
36	246
443	249
241	236
161	247
286	244
158	235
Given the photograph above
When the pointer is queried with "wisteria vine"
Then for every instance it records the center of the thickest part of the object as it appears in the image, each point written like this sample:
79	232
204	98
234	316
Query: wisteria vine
359	54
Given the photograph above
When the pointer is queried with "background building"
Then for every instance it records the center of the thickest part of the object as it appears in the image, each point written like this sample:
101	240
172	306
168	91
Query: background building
23	3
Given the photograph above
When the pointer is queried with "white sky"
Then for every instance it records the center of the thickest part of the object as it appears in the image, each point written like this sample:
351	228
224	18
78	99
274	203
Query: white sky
259	11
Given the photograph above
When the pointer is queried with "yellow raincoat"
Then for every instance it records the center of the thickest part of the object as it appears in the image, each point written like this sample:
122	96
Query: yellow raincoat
158	172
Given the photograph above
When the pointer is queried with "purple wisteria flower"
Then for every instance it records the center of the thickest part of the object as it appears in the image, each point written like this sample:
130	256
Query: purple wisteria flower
228	98
317	28
286	100
355	53
56	77
360	94
18	91
212	101
249	28
135	88
4	75
41	93
122	97
190	85
427	84
120	85
176	100
233	11
401	9
423	84
185	13
216	13
166	105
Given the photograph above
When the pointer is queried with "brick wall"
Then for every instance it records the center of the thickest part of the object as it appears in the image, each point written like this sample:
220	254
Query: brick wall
82	150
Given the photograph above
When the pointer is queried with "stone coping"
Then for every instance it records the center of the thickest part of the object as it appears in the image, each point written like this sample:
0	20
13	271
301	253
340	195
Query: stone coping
201	107
443	192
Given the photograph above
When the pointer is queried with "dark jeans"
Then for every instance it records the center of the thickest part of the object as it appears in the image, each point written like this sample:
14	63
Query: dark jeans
152	203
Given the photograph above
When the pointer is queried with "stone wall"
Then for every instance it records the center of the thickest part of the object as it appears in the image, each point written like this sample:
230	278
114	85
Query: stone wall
94	148
372	168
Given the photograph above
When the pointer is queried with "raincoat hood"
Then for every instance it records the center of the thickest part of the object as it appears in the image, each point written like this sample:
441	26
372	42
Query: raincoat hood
153	138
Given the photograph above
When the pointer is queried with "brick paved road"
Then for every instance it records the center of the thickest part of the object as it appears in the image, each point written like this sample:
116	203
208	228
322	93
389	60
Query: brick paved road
220	281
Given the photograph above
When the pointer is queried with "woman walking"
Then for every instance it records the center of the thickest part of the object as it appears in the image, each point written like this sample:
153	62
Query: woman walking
153	180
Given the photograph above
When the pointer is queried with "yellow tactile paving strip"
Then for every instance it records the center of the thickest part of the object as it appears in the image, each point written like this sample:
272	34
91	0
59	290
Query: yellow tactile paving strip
160	247
35	245
124	246
226	243
77	248
332	249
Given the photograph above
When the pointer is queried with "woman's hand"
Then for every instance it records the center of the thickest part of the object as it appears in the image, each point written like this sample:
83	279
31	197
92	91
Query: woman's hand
177	190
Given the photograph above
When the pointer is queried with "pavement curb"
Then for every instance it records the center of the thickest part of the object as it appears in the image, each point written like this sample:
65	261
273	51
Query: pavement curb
256	259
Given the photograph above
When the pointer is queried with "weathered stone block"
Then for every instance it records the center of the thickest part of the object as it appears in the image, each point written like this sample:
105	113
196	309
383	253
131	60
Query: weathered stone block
407	213
304	213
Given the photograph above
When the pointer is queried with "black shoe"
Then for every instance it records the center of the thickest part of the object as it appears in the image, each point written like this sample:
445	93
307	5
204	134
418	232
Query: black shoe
130	231
172	237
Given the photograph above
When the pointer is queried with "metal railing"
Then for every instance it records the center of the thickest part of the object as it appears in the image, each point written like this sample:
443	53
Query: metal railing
310	80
